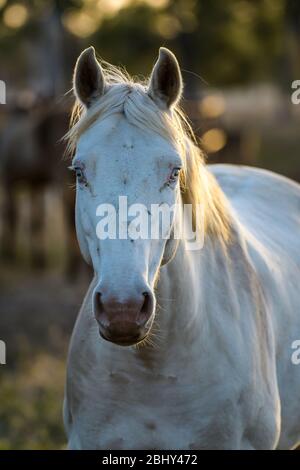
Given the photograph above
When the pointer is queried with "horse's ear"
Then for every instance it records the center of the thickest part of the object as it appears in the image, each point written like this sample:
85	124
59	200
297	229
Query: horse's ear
88	80
165	86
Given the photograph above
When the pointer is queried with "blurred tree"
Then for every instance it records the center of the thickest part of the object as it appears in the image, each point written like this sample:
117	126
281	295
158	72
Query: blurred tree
232	42
290	69
36	51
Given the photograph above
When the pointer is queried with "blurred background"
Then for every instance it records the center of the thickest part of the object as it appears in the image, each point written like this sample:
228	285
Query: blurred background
239	59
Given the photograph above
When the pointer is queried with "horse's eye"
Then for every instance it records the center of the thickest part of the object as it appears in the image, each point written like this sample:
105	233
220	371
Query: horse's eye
79	174
175	174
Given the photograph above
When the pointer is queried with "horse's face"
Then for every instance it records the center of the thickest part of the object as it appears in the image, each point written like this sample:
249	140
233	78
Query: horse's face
117	159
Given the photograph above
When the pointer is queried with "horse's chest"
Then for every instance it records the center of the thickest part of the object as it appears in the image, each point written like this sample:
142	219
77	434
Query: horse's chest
143	427
170	417
122	410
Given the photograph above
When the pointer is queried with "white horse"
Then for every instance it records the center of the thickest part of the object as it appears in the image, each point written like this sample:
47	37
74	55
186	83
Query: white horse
219	374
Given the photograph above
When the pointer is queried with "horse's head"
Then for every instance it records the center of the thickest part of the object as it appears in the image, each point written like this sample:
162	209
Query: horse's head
124	148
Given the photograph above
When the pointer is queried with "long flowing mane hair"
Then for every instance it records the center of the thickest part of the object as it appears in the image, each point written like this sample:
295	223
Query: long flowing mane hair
127	95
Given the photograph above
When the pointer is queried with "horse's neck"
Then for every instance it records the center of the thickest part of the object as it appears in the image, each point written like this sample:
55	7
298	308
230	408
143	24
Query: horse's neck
198	296
181	311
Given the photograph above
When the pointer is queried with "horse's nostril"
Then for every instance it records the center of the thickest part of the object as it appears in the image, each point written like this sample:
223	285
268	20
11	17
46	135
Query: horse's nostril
146	310
99	310
145	306
99	300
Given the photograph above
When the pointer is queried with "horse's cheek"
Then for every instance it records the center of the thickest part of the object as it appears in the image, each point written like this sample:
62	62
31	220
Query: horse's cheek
82	236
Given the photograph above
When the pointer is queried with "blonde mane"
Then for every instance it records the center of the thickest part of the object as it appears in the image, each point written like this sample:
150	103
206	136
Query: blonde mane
129	96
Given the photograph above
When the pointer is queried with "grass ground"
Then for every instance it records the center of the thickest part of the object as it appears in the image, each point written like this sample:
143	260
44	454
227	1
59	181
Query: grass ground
37	313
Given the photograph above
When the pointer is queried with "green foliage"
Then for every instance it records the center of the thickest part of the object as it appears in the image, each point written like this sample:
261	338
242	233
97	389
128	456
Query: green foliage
230	42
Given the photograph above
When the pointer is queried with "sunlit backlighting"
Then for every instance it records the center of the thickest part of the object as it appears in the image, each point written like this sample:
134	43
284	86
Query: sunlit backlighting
85	22
80	23
212	106
2	3
15	16
214	140
156	3
111	7
167	26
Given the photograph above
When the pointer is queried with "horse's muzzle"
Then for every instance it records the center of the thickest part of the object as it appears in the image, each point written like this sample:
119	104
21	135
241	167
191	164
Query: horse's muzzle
124	321
122	340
